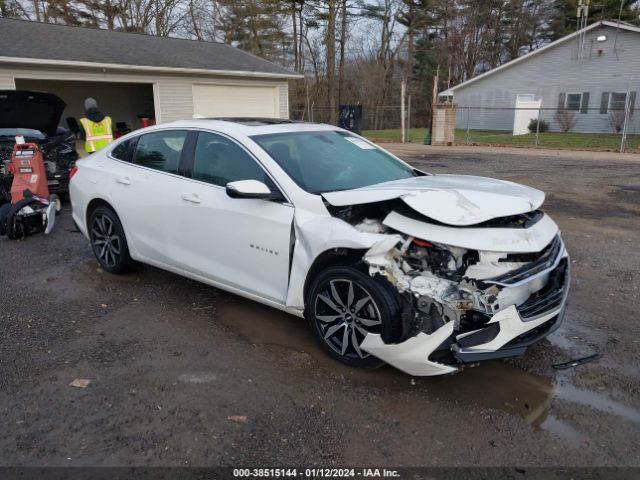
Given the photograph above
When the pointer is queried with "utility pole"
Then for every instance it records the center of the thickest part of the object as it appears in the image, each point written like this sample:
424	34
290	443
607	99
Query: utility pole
403	88
582	15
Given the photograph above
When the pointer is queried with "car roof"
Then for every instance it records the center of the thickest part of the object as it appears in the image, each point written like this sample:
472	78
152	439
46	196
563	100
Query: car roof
250	126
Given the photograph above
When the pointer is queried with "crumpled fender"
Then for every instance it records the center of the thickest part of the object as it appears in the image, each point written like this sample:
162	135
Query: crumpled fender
315	235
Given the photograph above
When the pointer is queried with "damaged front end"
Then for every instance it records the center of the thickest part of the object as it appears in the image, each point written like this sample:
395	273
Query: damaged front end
463	304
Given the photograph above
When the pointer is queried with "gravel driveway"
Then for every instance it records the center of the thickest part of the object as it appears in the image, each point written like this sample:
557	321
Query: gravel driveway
176	366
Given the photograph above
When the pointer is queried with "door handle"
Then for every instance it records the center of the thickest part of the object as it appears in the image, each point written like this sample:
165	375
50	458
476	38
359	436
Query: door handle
123	180
193	198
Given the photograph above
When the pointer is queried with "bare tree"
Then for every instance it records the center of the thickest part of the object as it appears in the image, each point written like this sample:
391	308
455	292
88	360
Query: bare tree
330	43
566	119
616	120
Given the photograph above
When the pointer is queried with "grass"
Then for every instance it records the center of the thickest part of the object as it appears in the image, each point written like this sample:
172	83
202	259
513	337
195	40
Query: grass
570	141
395	135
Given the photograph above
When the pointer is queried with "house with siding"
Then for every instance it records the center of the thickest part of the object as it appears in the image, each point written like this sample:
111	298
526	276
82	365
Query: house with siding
584	82
135	76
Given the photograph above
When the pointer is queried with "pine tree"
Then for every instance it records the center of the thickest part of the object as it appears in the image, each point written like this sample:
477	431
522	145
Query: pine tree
564	16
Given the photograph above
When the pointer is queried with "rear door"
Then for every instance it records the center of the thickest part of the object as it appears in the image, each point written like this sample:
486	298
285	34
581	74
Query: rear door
243	243
145	195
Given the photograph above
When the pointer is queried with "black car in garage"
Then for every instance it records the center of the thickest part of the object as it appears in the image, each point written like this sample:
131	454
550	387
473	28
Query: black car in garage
36	116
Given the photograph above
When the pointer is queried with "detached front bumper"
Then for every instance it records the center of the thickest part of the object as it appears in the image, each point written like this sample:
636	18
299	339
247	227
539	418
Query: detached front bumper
509	332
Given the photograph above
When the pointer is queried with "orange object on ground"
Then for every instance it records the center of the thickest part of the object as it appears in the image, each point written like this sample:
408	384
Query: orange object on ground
27	166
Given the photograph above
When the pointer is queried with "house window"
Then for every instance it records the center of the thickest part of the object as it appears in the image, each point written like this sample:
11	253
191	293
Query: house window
617	101
573	102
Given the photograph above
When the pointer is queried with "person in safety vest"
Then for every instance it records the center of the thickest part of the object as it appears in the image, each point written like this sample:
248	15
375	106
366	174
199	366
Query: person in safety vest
97	127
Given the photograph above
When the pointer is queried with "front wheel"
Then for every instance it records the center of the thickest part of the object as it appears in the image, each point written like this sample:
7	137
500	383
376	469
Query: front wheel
108	241
343	306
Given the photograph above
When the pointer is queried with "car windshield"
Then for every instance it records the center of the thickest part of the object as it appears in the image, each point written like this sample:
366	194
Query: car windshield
329	160
27	132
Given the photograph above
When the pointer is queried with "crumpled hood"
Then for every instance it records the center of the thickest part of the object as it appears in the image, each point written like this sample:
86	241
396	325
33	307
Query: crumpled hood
457	200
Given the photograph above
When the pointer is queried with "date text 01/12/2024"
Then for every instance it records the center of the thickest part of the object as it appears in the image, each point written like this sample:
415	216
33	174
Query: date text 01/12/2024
315	473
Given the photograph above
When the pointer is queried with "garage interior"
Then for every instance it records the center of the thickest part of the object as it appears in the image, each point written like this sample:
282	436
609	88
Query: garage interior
126	103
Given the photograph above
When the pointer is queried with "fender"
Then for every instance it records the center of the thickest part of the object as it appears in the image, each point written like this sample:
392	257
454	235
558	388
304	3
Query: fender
316	235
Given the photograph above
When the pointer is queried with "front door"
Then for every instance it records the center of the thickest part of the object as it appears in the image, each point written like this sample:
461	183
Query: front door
243	243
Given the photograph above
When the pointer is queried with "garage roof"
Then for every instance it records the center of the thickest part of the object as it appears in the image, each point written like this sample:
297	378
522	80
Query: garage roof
21	41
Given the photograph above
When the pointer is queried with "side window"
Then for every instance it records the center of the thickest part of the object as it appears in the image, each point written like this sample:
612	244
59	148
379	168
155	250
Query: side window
124	150
219	161
160	150
574	101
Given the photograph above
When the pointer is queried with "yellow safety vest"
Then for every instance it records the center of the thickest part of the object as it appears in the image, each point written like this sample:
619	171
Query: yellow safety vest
98	135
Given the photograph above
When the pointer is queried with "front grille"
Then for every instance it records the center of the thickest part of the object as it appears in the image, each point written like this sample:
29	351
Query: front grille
550	297
548	258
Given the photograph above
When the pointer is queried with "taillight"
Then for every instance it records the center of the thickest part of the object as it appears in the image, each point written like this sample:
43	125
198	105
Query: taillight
73	171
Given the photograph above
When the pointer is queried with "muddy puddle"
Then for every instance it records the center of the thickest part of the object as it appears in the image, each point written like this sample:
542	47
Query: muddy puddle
494	385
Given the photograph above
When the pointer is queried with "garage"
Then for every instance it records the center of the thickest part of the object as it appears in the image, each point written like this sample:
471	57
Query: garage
138	77
222	101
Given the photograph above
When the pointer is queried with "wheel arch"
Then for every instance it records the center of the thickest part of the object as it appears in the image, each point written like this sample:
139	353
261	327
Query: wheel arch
95	203
330	258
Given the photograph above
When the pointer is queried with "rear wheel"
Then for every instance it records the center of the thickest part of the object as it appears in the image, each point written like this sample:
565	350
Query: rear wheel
343	306
108	241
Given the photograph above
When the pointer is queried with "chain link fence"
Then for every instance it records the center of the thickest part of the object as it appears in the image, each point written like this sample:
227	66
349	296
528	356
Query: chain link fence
584	129
379	123
610	129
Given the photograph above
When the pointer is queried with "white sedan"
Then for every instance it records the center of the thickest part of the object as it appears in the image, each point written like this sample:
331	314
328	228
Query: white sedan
387	263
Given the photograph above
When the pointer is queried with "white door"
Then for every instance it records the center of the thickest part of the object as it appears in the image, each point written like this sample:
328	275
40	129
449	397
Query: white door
241	242
526	109
145	198
235	101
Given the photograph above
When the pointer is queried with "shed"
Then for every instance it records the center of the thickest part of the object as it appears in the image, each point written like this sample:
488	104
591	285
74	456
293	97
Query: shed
134	75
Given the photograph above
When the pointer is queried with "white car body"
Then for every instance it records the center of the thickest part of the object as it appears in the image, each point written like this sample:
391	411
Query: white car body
264	250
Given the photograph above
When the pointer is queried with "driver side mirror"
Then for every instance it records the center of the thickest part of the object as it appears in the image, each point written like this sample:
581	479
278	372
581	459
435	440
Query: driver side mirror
248	189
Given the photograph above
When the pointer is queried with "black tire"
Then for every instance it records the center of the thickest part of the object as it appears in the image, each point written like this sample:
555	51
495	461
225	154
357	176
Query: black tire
108	241
352	319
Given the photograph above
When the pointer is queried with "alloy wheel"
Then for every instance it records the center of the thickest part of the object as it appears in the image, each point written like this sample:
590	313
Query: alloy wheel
105	240
345	313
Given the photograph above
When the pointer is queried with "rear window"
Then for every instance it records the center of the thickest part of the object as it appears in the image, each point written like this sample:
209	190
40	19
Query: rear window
160	150
124	150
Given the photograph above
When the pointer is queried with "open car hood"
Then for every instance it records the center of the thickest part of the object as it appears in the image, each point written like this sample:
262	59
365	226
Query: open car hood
457	200
35	110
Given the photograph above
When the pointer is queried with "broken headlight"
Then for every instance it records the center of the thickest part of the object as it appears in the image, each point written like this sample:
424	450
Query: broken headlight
447	262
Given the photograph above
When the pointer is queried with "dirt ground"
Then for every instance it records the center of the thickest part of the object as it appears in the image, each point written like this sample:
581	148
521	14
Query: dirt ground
170	360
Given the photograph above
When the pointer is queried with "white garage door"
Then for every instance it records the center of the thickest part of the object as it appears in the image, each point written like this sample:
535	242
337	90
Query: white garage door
235	101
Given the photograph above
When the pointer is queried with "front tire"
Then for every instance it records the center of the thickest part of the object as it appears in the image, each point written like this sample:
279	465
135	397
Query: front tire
343	306
108	241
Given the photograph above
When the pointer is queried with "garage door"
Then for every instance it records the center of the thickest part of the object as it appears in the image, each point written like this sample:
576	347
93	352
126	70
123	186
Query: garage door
235	101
